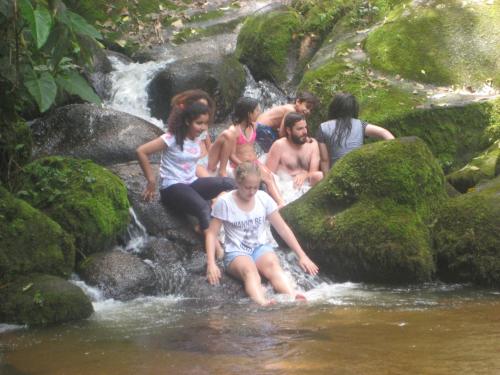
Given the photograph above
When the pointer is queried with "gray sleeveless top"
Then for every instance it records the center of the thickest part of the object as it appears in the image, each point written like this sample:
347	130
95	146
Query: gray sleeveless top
351	142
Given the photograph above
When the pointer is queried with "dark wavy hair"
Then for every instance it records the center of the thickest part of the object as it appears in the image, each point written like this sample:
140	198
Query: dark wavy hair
292	118
343	108
242	109
186	98
180	126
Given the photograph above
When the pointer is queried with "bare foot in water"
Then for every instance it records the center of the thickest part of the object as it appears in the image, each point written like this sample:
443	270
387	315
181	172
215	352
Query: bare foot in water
271	302
300	298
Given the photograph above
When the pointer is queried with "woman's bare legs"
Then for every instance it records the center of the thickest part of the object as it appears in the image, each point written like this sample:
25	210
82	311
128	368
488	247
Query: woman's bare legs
268	265
244	268
219	154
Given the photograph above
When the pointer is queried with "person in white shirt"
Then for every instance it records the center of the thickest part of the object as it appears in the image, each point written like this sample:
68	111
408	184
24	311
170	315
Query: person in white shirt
243	213
180	188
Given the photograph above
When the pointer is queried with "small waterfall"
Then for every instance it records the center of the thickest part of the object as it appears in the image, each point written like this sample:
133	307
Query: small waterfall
129	87
266	92
136	233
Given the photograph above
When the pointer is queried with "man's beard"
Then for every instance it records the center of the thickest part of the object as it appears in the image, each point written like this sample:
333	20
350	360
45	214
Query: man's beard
298	140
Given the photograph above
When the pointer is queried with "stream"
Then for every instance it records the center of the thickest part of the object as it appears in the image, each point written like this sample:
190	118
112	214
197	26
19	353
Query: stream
344	328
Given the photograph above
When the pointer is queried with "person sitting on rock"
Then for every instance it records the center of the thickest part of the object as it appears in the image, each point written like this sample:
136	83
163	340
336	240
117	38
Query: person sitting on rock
236	145
244	213
178	103
344	132
295	159
270	124
180	188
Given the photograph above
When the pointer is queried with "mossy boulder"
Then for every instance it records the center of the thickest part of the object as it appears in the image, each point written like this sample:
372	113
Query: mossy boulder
467	237
368	219
39	300
87	200
31	242
440	42
264	43
482	167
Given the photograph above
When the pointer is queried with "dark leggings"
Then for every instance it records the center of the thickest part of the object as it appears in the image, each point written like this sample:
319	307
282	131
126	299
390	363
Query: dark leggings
194	199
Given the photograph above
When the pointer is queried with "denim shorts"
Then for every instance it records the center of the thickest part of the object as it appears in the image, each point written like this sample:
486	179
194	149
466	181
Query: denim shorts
255	255
265	137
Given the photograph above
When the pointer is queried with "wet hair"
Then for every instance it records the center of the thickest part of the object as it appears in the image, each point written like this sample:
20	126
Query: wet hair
180	126
245	169
242	109
343	108
186	98
292	118
307	97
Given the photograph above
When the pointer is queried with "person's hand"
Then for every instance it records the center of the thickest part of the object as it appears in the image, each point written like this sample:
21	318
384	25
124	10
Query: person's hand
308	266
213	274
150	192
299	179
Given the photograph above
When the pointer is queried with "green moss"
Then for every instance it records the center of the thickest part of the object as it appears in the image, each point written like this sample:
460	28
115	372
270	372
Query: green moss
31	242
87	200
467	239
206	16
379	100
198	33
368	219
454	134
39	300
447	43
482	167
264	43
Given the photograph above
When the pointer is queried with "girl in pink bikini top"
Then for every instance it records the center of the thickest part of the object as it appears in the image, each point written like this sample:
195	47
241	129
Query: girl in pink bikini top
243	140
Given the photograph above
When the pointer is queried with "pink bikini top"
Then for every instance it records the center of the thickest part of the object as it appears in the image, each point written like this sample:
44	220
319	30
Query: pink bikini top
242	140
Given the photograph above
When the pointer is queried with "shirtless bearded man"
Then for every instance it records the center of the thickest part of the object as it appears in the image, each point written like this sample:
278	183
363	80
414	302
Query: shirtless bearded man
297	155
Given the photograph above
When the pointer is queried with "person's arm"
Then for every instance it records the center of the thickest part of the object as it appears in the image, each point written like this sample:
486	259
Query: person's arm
281	131
378	132
143	152
273	157
287	235
324	158
213	271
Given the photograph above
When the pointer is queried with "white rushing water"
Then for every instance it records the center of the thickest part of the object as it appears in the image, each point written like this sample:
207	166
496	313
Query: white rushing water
129	87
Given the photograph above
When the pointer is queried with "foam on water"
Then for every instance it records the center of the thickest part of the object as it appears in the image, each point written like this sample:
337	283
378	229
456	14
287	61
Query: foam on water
129	88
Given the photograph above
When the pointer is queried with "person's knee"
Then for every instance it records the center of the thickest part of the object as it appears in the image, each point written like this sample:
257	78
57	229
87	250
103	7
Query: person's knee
204	216
228	183
250	274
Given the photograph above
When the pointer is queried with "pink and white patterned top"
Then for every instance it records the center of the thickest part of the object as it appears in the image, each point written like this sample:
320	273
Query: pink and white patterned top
176	165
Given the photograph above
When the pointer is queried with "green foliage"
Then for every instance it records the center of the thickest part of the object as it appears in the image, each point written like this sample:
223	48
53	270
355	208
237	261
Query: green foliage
87	200
41	55
15	148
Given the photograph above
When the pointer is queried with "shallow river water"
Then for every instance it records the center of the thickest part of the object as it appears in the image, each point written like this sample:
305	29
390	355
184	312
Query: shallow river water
343	329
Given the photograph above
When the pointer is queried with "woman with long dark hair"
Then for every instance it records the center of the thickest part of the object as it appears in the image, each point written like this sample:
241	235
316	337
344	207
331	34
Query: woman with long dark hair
180	148
344	132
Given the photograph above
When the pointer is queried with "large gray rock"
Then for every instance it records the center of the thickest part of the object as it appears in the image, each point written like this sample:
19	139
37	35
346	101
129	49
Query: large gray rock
159	220
118	274
223	77
87	131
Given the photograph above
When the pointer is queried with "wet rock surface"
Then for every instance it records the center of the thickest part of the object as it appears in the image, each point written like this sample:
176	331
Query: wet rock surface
87	131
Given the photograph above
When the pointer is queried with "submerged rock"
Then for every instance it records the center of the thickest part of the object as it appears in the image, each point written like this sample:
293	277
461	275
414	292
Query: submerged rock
467	237
86	200
42	300
368	219
30	241
118	274
87	131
